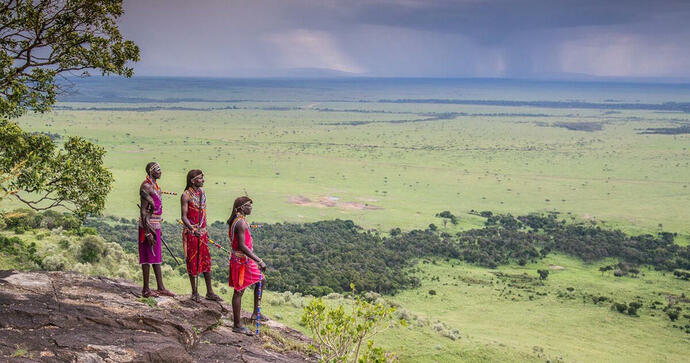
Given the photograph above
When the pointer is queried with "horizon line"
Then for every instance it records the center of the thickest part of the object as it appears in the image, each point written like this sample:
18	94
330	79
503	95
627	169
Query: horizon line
589	79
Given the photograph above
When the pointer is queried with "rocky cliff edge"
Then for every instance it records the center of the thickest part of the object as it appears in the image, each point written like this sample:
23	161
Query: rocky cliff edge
59	316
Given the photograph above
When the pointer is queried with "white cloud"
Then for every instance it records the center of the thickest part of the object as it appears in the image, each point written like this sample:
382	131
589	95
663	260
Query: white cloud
302	48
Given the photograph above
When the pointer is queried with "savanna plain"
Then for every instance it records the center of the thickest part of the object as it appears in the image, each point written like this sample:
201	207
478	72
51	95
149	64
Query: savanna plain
390	154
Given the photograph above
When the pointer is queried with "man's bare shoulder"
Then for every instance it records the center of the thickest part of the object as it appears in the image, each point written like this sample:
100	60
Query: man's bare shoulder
242	224
145	187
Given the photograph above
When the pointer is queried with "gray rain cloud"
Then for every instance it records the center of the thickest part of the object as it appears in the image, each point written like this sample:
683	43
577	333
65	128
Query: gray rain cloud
412	38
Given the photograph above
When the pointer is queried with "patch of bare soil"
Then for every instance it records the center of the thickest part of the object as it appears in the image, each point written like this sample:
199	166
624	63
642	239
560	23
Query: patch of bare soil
329	201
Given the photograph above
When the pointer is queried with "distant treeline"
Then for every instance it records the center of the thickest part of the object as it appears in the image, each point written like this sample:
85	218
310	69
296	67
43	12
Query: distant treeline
579	126
110	98
666	106
435	117
685	129
323	257
144	108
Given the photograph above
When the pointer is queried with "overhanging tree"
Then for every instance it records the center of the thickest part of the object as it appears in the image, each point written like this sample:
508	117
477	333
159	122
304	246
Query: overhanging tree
42	42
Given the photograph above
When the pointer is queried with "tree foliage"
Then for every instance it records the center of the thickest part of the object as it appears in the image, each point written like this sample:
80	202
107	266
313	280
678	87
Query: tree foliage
323	257
72	176
41	42
43	39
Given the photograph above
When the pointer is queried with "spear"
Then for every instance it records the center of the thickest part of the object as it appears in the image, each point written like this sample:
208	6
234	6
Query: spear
258	304
198	248
177	263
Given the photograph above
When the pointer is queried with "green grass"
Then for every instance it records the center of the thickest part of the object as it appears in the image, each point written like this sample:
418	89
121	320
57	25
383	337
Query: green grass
410	170
148	301
19	352
496	322
509	327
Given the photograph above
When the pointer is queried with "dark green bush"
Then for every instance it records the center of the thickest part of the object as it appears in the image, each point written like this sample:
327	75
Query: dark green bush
620	307
92	249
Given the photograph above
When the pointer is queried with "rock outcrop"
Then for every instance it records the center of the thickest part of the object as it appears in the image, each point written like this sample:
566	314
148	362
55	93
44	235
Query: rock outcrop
58	316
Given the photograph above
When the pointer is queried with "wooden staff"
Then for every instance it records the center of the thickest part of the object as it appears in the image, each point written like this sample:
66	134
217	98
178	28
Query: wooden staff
258	303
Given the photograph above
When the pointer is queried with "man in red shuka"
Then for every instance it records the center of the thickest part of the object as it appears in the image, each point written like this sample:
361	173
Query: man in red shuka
195	236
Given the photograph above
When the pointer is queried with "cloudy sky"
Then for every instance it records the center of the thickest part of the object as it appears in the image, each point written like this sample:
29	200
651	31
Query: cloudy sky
412	38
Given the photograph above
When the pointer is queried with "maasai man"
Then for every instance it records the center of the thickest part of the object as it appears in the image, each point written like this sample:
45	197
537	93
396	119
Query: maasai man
150	211
244	264
195	236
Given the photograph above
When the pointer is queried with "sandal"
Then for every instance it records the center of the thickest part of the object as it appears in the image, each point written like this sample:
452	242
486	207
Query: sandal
243	330
213	297
148	293
196	298
165	292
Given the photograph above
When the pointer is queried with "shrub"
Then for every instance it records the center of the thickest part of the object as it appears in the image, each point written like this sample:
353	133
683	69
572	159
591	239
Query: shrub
20	218
64	243
672	314
339	335
620	307
11	244
92	249
684	275
370	296
54	263
632	308
333	296
543	274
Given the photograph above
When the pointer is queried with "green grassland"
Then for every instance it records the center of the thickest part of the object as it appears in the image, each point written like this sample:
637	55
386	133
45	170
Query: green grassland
474	314
309	154
384	175
498	322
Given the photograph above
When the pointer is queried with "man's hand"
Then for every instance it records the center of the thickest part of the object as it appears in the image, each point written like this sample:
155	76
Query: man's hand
262	265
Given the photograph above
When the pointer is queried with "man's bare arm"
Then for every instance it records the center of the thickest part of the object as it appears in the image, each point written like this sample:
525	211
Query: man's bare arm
146	208
184	201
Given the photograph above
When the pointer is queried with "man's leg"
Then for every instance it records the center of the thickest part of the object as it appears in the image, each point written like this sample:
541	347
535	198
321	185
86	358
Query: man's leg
209	288
195	293
255	313
207	279
146	270
237	308
159	281
159	277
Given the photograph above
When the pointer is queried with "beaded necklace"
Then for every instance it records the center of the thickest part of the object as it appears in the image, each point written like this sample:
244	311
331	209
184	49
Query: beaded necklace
154	183
197	198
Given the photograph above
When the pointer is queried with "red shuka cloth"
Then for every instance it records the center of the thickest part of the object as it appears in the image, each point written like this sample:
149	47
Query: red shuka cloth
243	270
196	209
